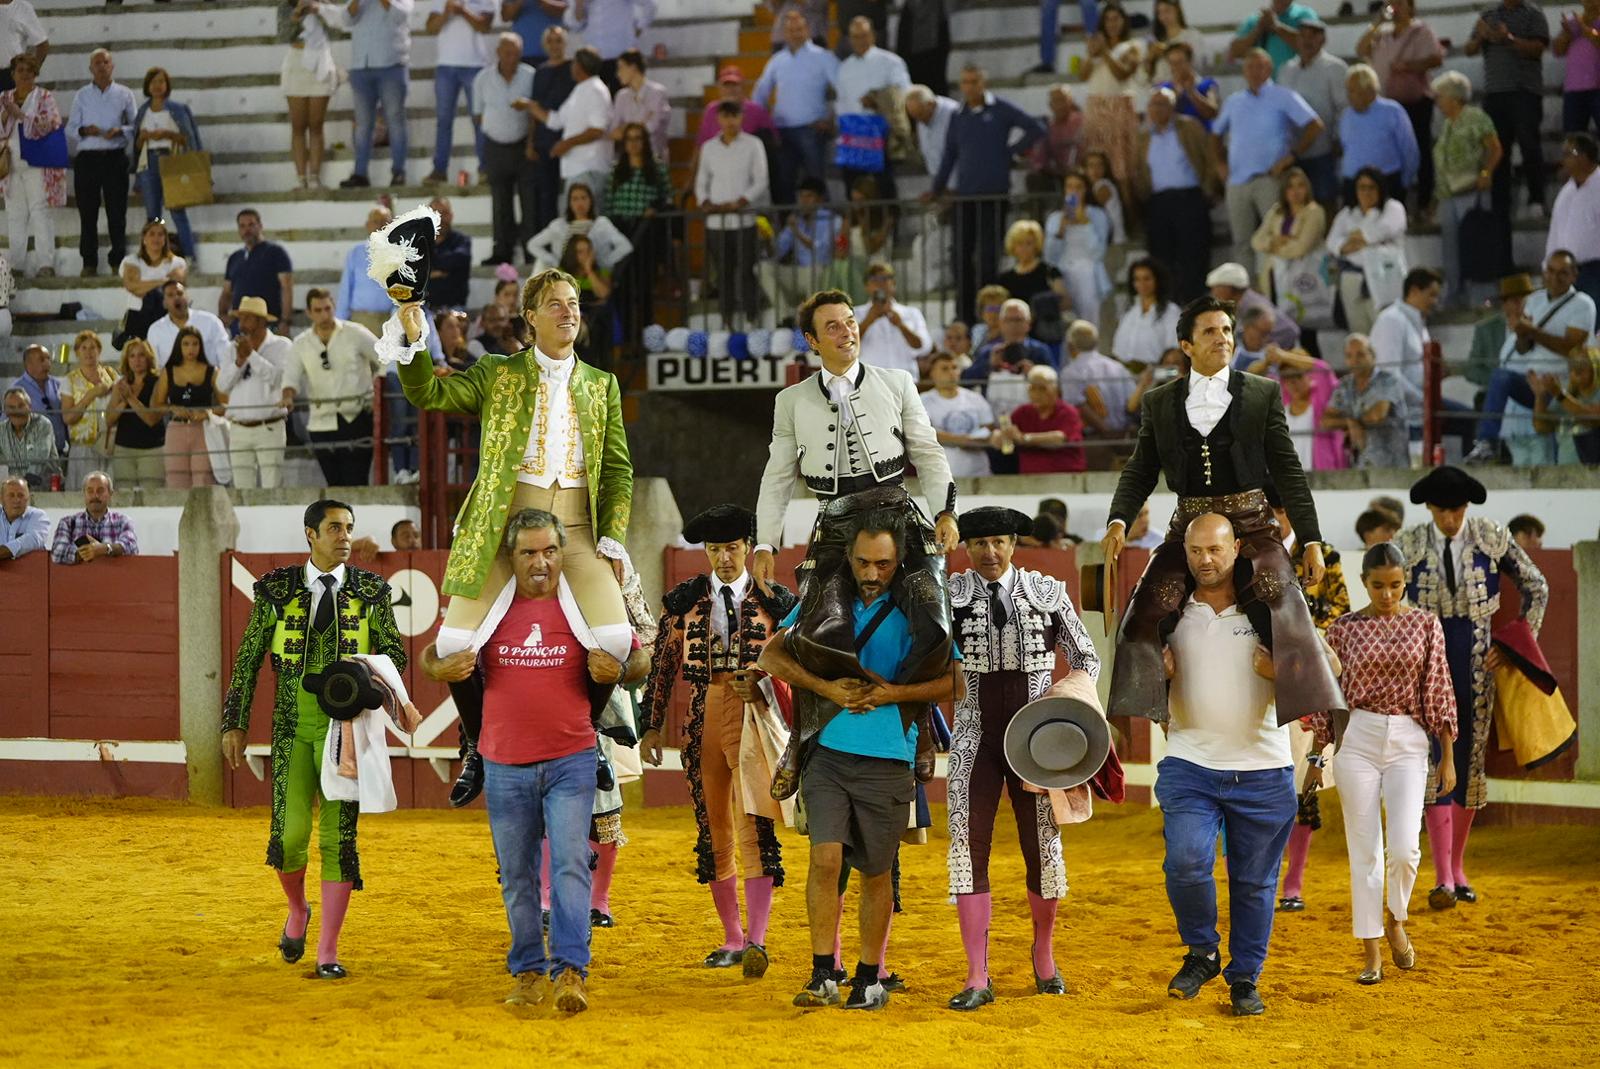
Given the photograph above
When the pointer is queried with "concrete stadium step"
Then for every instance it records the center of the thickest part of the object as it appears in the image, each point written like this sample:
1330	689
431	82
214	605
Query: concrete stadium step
245	80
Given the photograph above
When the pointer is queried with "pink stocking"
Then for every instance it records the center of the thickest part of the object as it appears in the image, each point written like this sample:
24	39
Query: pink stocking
758	907
725	893
1438	821
1460	828
544	875
973	911
600	894
294	889
335	901
1299	847
1044	932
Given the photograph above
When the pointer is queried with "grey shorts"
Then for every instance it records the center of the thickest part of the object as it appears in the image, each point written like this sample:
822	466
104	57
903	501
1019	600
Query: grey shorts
861	802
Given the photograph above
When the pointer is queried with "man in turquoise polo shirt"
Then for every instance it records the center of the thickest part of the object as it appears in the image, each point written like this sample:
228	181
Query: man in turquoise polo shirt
857	783
1275	28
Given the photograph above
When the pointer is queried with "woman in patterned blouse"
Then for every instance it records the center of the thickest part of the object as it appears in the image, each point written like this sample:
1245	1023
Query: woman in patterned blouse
1400	694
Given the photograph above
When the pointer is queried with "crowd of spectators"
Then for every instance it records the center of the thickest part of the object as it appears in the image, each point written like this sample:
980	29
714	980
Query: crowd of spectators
1322	169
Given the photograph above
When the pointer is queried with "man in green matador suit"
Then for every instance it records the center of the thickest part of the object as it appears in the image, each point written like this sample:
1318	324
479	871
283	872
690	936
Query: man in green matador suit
552	439
307	618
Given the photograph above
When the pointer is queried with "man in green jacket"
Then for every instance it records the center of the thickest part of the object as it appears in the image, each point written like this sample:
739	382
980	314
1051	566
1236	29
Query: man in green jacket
552	439
307	617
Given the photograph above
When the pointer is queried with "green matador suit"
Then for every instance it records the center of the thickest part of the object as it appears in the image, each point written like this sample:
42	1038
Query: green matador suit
504	392
527	405
281	624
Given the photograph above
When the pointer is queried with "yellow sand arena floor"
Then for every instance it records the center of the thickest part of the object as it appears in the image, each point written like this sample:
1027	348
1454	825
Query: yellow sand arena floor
144	934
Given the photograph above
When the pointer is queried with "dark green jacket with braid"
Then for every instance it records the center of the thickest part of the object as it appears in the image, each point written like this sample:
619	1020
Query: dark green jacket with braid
278	624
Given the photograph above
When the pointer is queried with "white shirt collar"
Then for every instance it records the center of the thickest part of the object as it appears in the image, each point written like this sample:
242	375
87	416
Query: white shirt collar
1197	380
313	574
740	587
829	378
1007	579
1197	605
555	369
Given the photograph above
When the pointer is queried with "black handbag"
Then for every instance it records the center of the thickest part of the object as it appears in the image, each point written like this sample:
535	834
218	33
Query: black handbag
1484	244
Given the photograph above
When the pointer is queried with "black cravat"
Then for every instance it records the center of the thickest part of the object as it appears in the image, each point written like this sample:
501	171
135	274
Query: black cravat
324	616
1449	567
997	605
732	616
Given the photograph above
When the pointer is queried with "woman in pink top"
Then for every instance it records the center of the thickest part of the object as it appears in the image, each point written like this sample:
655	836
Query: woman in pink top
1401	700
1308	383
1047	433
1403	49
1579	43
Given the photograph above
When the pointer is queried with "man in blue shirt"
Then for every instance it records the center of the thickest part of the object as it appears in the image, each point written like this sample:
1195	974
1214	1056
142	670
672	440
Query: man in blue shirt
857	782
361	298
44	392
979	143
529	20
1266	126
23	528
802	74
1376	132
804	248
380	61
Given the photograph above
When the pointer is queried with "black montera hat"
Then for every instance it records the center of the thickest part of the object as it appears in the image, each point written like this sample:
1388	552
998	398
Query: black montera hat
400	256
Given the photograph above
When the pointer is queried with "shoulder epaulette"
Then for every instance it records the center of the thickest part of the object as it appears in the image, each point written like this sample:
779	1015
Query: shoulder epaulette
280	585
683	597
367	586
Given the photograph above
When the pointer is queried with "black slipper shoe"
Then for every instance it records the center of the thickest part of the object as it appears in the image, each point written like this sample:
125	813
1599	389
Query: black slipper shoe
331	971
294	949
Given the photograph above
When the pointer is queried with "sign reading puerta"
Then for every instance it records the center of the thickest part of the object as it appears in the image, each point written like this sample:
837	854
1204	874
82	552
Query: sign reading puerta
681	371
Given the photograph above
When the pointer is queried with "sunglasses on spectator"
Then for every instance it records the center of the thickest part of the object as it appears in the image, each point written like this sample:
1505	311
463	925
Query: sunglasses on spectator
326	366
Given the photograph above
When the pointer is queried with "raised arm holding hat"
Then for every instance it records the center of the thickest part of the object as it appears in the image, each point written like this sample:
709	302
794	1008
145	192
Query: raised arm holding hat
1218	436
553	440
712	631
1010	623
1454	568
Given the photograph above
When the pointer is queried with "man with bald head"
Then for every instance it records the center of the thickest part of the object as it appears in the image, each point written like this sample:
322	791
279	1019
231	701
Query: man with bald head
1227	772
359	297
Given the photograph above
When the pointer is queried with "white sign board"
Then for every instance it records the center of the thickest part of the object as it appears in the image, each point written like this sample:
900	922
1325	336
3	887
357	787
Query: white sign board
680	371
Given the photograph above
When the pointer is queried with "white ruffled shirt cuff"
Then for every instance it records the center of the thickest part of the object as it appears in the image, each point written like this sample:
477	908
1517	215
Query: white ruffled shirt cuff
392	347
611	549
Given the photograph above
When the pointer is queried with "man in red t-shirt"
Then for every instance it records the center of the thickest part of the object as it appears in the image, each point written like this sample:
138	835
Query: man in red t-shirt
538	746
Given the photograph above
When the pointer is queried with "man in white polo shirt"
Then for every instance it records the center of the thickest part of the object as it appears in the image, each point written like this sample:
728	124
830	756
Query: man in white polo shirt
1227	770
582	121
892	334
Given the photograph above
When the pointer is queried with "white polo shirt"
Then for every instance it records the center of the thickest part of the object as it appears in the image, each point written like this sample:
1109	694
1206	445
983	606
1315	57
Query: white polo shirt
587	107
883	345
1223	716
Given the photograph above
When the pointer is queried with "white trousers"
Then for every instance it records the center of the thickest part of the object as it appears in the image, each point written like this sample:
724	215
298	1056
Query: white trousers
27	211
1382	767
256	454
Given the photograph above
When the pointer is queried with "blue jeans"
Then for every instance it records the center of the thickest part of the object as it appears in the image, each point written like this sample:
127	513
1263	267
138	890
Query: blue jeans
1579	109
406	455
448	83
1256	812
368	85
1503	384
1049	19
150	190
550	800
802	153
